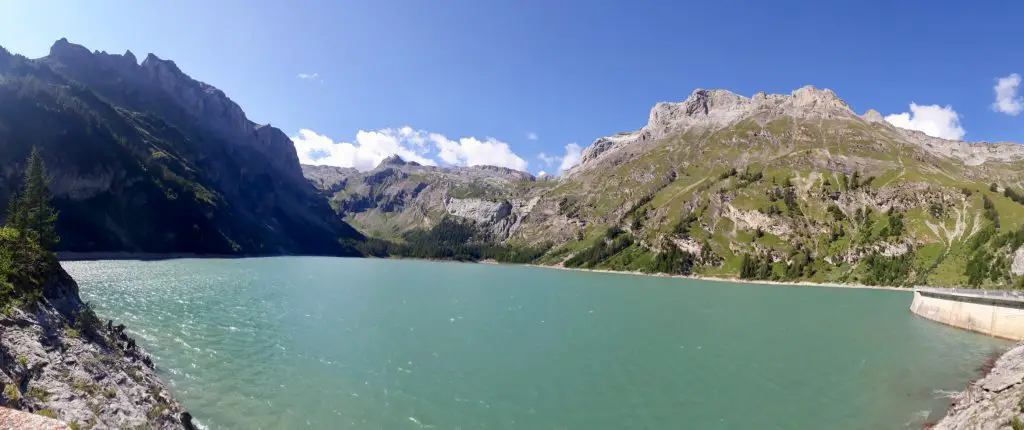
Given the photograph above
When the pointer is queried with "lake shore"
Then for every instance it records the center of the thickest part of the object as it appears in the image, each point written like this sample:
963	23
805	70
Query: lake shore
712	278
146	256
994	400
140	256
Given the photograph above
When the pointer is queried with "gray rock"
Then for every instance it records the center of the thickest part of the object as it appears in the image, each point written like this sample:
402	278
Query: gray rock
86	377
993	401
1018	262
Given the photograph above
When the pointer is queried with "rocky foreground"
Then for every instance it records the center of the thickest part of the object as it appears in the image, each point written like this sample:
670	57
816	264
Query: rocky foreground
58	361
993	402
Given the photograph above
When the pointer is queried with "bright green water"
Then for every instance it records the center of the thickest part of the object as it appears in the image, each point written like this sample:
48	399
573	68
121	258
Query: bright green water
371	344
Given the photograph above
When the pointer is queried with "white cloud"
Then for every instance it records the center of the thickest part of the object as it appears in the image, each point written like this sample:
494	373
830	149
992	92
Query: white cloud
368	150
548	159
933	120
571	157
1007	99
541	173
531	135
308	76
470	151
421	146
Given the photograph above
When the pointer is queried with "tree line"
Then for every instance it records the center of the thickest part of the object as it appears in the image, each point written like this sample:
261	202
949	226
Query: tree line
27	237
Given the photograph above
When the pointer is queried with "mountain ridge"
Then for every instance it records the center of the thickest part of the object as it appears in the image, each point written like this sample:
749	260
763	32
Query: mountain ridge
793	187
148	159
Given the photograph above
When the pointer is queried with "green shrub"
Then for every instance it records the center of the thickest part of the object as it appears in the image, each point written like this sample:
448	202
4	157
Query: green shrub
48	413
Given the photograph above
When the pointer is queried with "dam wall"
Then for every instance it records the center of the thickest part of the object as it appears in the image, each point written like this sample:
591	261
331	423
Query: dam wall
995	313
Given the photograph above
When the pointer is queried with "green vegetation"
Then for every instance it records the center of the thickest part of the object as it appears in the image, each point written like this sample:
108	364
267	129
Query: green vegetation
27	238
672	261
756	267
47	412
452	239
1016	423
38	393
614	240
11	393
884	270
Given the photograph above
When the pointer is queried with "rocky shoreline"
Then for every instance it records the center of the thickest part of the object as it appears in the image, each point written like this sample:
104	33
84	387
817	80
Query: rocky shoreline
59	361
996	401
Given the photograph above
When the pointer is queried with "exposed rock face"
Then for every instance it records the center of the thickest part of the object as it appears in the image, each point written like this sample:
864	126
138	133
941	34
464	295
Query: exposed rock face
1018	262
993	401
144	158
481	211
713	109
99	379
409	196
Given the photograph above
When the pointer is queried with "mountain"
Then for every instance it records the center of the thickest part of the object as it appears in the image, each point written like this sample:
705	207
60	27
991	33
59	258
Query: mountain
790	187
144	158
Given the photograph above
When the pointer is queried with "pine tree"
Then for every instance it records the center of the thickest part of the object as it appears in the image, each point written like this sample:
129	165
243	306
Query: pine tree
41	217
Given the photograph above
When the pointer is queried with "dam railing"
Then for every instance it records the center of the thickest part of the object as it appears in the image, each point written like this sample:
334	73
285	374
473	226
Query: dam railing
998	313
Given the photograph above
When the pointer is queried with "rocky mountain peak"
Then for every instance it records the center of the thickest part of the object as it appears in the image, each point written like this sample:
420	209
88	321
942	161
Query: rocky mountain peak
153	62
823	103
128	55
873	116
67	50
393	160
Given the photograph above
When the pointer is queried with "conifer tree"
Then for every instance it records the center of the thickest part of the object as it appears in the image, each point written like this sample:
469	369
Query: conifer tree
40	217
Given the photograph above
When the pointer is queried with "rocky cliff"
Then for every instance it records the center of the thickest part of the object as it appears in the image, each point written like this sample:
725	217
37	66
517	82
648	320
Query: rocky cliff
57	360
144	158
993	402
398	196
796	185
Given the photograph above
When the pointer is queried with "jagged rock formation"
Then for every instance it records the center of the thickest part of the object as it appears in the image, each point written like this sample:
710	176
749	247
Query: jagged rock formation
397	196
145	158
92	376
993	402
799	180
721	108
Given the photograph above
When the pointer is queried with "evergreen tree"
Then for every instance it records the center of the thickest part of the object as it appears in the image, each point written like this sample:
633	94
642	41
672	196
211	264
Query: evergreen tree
40	217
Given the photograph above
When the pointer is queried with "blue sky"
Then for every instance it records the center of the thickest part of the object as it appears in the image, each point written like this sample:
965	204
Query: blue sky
460	72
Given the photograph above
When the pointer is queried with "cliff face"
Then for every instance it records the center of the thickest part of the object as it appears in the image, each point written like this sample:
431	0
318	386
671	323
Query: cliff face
398	196
144	158
57	360
994	402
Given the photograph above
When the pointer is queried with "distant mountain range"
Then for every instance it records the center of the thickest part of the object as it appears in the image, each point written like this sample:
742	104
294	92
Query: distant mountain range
792	187
146	159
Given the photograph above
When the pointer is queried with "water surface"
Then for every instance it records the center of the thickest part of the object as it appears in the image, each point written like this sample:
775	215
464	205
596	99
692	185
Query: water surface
369	344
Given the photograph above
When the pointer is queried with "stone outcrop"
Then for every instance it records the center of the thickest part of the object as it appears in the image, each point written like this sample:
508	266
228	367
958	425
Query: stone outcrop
714	109
993	401
411	196
56	359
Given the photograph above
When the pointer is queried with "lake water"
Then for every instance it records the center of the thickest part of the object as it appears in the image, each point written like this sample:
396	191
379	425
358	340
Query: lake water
381	344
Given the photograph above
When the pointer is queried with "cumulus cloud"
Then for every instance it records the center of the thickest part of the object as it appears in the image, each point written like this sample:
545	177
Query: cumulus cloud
933	120
368	150
548	159
1008	100
470	151
564	162
571	157
308	76
541	174
371	147
531	135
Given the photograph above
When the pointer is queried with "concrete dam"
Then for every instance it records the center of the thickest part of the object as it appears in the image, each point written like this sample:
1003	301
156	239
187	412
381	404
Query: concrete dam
995	313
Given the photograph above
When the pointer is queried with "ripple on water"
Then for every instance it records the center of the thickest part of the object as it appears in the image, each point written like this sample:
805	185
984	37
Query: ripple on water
290	342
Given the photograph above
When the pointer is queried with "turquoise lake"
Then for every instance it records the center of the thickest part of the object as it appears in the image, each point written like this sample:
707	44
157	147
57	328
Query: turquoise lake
338	343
